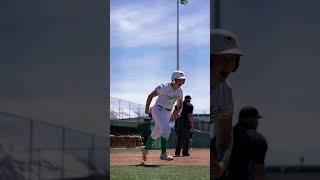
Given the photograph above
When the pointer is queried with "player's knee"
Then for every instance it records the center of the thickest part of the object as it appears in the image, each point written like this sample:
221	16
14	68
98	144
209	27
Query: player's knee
155	135
166	134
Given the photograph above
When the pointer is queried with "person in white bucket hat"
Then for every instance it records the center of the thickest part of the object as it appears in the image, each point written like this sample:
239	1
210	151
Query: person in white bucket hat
224	59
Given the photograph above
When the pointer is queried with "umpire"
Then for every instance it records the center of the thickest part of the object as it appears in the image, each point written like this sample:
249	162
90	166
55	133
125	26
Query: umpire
249	148
183	125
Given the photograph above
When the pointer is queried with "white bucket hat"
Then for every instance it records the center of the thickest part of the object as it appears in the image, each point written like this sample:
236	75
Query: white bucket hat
224	42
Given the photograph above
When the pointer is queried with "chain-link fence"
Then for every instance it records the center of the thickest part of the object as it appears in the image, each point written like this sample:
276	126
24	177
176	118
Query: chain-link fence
130	113
45	151
125	110
202	122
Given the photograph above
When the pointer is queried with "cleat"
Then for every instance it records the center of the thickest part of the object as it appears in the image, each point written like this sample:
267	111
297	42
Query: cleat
166	157
186	154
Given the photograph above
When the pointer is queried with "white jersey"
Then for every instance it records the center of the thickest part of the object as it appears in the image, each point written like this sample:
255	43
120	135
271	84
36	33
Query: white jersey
221	102
167	96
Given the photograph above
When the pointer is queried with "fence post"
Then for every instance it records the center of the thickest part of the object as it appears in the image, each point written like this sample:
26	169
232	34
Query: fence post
129	110
91	155
119	109
30	148
39	164
139	116
62	153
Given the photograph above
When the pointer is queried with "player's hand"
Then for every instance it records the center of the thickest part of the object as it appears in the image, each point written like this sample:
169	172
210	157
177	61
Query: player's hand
147	111
218	170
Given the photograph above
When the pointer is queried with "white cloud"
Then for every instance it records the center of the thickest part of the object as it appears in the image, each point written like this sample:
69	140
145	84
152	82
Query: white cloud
147	60
133	18
135	26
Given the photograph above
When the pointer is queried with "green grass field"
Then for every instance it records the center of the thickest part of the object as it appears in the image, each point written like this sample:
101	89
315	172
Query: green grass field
159	172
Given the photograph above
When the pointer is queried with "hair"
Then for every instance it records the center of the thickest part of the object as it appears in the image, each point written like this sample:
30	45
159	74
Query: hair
237	64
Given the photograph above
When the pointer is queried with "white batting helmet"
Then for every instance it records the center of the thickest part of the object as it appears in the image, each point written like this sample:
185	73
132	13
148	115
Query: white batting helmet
177	75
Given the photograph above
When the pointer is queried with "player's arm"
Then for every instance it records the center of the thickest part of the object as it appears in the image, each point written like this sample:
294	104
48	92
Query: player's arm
224	143
149	99
259	151
191	118
179	103
224	139
175	114
260	172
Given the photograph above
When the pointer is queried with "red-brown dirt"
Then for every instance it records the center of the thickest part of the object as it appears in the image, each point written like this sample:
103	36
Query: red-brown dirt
200	157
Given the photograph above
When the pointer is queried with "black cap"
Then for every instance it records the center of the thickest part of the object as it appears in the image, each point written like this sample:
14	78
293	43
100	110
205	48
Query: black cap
187	97
249	111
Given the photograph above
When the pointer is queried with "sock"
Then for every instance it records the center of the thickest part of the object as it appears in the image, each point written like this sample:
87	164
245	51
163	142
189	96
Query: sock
163	144
149	143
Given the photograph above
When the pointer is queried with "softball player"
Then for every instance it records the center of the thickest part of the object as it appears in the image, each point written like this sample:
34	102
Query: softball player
168	94
224	59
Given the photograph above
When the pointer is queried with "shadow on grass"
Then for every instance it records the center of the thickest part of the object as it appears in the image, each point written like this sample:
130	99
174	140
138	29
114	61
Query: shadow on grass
147	165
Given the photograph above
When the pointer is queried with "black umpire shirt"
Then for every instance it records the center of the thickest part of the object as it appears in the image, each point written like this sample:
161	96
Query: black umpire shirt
187	108
249	149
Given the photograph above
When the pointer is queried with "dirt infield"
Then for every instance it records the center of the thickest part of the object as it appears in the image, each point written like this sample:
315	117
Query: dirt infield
118	157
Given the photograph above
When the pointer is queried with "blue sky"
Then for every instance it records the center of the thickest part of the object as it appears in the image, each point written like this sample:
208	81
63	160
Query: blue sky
143	48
